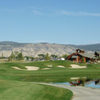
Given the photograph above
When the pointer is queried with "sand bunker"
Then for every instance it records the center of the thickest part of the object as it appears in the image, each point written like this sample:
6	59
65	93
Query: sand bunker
76	78
45	68
61	66
49	65
77	66
28	68
32	68
17	68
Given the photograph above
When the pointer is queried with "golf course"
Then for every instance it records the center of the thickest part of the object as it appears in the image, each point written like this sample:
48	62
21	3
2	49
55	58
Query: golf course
20	80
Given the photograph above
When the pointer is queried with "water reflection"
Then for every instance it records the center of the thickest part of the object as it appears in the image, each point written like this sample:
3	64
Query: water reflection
76	81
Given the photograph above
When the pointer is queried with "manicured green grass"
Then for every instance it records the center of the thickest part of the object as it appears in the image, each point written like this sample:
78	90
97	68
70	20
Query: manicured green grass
16	84
14	90
54	74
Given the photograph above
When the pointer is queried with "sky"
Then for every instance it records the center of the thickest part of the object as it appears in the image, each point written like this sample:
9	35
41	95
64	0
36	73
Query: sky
53	21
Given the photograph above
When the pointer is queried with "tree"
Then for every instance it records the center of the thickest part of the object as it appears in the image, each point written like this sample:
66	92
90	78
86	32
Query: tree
83	60
41	56
54	56
20	56
2	56
11	57
65	56
27	57
32	58
16	54
47	56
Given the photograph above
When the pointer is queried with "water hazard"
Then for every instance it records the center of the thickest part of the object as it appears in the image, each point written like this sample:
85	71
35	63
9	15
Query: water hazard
76	81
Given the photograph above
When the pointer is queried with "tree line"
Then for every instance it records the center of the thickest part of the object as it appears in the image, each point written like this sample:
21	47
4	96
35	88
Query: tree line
19	56
16	56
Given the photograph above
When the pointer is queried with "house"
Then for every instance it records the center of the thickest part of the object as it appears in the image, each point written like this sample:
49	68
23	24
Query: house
81	56
97	53
97	56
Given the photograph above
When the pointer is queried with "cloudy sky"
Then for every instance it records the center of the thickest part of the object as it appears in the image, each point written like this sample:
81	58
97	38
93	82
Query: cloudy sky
53	21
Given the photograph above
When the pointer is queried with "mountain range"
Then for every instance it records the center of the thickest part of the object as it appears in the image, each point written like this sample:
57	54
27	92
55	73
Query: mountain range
33	49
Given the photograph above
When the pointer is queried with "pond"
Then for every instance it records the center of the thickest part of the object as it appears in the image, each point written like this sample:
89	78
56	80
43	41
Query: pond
95	83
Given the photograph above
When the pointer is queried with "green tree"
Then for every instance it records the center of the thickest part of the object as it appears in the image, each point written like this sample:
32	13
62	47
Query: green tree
27	57
83	60
65	56
11	57
54	56
32	58
2	56
41	56
16	54
20	56
47	56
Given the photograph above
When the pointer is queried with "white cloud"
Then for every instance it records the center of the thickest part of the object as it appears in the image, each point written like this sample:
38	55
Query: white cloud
37	12
70	13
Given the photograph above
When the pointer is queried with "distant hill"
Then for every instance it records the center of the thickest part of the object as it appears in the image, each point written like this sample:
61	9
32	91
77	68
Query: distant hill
33	49
92	47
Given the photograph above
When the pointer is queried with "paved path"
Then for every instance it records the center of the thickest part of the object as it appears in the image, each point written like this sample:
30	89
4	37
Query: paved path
81	93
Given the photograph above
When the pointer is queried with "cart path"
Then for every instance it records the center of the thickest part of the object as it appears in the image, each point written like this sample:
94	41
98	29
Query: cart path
81	93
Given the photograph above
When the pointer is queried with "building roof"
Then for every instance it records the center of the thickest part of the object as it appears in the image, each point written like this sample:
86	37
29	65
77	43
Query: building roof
97	52
74	56
87	55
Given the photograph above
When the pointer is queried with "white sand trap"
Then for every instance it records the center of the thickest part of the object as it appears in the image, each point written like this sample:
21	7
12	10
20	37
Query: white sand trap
45	68
61	66
17	68
49	65
76	78
32	68
28	68
77	66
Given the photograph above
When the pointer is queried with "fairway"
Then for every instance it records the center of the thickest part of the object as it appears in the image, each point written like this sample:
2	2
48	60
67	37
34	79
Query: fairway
54	74
19	84
14	90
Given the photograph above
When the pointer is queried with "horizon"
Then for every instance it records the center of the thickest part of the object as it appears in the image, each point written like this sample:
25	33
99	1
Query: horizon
61	22
46	43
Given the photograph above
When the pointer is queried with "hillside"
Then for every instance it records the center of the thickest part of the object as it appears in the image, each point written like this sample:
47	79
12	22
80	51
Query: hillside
33	49
92	47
